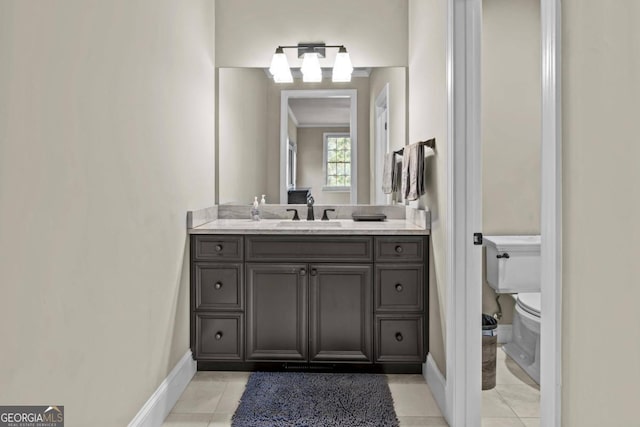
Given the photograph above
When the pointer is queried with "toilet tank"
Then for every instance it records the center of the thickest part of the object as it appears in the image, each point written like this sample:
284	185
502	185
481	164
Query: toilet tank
513	263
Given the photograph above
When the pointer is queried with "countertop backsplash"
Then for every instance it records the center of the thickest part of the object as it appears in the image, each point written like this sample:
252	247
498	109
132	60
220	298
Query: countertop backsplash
418	217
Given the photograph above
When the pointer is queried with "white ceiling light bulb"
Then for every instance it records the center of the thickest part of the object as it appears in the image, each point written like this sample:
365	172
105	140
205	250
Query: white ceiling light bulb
342	68
279	68
311	71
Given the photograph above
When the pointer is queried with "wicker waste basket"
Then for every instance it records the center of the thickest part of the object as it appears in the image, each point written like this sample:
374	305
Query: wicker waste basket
489	347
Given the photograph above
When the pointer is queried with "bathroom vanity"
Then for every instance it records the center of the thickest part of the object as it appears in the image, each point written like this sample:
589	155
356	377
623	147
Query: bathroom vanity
339	295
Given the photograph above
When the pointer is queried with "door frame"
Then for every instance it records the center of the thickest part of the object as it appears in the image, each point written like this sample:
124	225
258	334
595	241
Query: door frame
381	144
285	95
464	214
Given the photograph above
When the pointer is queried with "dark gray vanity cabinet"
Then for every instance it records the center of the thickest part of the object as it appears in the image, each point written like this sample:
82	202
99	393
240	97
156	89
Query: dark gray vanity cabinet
217	298
400	299
309	299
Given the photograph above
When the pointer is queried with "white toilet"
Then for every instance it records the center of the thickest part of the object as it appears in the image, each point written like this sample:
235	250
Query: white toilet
513	267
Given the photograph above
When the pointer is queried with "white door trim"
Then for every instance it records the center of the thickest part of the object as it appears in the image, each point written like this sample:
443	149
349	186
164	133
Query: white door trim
463	291
353	129
464	214
381	144
551	216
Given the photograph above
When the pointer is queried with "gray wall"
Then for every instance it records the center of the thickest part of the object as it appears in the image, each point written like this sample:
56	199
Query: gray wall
248	31
106	140
601	200
428	118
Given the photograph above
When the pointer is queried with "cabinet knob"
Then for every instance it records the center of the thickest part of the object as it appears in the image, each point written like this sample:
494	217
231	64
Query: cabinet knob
218	248
399	337
504	255
314	272
399	287
218	336
399	249
303	271
218	285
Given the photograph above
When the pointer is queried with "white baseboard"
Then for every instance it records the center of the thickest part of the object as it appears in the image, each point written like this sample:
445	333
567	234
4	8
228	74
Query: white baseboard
504	333
437	383
156	409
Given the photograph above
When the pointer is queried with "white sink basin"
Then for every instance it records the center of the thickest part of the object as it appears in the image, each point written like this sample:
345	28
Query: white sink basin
309	224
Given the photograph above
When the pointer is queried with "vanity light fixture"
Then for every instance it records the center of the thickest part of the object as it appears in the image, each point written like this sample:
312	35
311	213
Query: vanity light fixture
311	71
342	69
279	68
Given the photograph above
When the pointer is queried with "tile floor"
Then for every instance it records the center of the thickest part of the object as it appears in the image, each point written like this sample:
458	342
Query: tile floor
212	397
515	401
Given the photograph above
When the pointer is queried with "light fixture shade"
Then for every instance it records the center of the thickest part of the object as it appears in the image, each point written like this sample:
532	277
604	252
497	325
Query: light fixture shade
311	71
342	68
279	68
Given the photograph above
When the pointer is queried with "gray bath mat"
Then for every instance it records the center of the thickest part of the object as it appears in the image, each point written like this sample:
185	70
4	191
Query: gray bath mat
303	399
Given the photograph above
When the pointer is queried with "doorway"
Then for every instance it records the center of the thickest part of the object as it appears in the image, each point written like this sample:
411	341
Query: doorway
510	163
349	95
463	343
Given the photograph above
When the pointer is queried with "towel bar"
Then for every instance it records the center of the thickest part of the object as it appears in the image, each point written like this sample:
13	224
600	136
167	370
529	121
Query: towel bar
431	143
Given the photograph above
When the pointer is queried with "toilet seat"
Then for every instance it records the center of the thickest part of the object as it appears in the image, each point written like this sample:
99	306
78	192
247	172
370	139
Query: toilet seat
530	303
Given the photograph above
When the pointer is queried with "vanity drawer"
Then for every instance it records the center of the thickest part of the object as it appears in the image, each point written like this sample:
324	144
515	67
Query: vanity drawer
219	336
218	286
309	249
399	249
399	287
399	338
216	248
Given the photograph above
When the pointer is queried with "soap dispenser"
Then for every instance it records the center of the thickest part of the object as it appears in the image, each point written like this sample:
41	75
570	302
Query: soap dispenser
263	201
255	211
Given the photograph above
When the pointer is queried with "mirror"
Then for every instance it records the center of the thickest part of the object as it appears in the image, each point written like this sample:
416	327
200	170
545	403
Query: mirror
290	140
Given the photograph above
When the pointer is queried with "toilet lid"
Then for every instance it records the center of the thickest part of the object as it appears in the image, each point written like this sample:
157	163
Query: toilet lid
530	302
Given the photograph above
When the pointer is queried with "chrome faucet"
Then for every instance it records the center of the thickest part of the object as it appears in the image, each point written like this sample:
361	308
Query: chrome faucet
310	202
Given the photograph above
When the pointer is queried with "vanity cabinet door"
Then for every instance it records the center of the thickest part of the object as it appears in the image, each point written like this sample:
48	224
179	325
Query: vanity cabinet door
276	312
340	313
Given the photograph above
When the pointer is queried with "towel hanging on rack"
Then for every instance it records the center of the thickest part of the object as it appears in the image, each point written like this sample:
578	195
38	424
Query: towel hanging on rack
413	171
391	174
388	171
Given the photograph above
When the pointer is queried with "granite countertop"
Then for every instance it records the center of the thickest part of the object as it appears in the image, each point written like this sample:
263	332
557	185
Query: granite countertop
332	227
